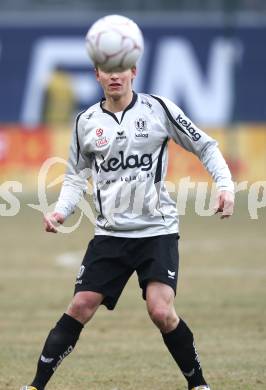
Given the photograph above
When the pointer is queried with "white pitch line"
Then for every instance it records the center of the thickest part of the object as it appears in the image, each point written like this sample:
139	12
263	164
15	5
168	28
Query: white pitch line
213	244
69	259
197	271
73	260
225	271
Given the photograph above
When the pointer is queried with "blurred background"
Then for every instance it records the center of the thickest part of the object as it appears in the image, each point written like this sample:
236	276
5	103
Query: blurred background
208	56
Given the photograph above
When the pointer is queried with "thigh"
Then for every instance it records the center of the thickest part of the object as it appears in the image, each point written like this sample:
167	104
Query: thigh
160	262
103	269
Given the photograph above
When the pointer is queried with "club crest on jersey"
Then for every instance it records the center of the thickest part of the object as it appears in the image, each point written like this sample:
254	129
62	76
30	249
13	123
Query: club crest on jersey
141	126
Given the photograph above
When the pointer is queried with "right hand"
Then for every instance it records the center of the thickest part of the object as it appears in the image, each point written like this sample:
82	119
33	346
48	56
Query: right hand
51	220
224	203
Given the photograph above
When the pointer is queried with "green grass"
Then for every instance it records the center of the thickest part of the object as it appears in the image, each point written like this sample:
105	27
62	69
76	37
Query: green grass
221	294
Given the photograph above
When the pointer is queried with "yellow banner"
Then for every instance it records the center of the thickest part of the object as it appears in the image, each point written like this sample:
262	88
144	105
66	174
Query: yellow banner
23	152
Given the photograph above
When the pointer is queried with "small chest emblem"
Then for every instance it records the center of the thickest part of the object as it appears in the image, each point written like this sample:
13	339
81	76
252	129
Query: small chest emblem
99	132
101	140
141	127
121	135
141	124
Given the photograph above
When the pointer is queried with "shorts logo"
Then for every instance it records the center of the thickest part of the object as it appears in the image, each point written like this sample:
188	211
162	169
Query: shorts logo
171	274
141	126
81	272
188	125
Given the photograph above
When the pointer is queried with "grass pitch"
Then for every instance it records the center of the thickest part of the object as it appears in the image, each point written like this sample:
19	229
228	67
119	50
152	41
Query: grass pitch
221	294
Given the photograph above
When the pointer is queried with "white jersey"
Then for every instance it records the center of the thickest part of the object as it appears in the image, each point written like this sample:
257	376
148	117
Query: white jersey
126	155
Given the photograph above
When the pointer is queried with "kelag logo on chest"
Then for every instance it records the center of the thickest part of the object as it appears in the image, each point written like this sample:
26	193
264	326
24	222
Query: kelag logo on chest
143	161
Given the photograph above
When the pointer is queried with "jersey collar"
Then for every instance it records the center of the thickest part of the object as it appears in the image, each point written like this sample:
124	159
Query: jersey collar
131	104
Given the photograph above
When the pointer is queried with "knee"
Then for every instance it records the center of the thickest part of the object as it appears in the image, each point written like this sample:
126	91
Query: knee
83	306
164	318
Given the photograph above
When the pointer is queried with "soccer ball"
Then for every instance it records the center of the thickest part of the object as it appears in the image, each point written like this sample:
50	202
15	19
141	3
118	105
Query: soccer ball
114	43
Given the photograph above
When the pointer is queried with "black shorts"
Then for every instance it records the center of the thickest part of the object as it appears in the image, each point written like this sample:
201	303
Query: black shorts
110	261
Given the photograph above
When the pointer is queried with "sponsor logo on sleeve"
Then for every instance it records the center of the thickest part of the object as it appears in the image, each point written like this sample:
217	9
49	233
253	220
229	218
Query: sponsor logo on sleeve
188	126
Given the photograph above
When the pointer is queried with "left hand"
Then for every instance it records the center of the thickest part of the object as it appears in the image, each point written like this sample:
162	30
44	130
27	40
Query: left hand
224	203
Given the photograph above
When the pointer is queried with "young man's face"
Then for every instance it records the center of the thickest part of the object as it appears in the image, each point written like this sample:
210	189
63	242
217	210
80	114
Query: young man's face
116	84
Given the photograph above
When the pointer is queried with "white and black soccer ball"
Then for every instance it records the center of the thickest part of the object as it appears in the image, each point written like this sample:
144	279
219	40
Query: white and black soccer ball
114	43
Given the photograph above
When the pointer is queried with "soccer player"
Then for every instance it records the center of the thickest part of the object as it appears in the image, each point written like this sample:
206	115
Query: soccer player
122	142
